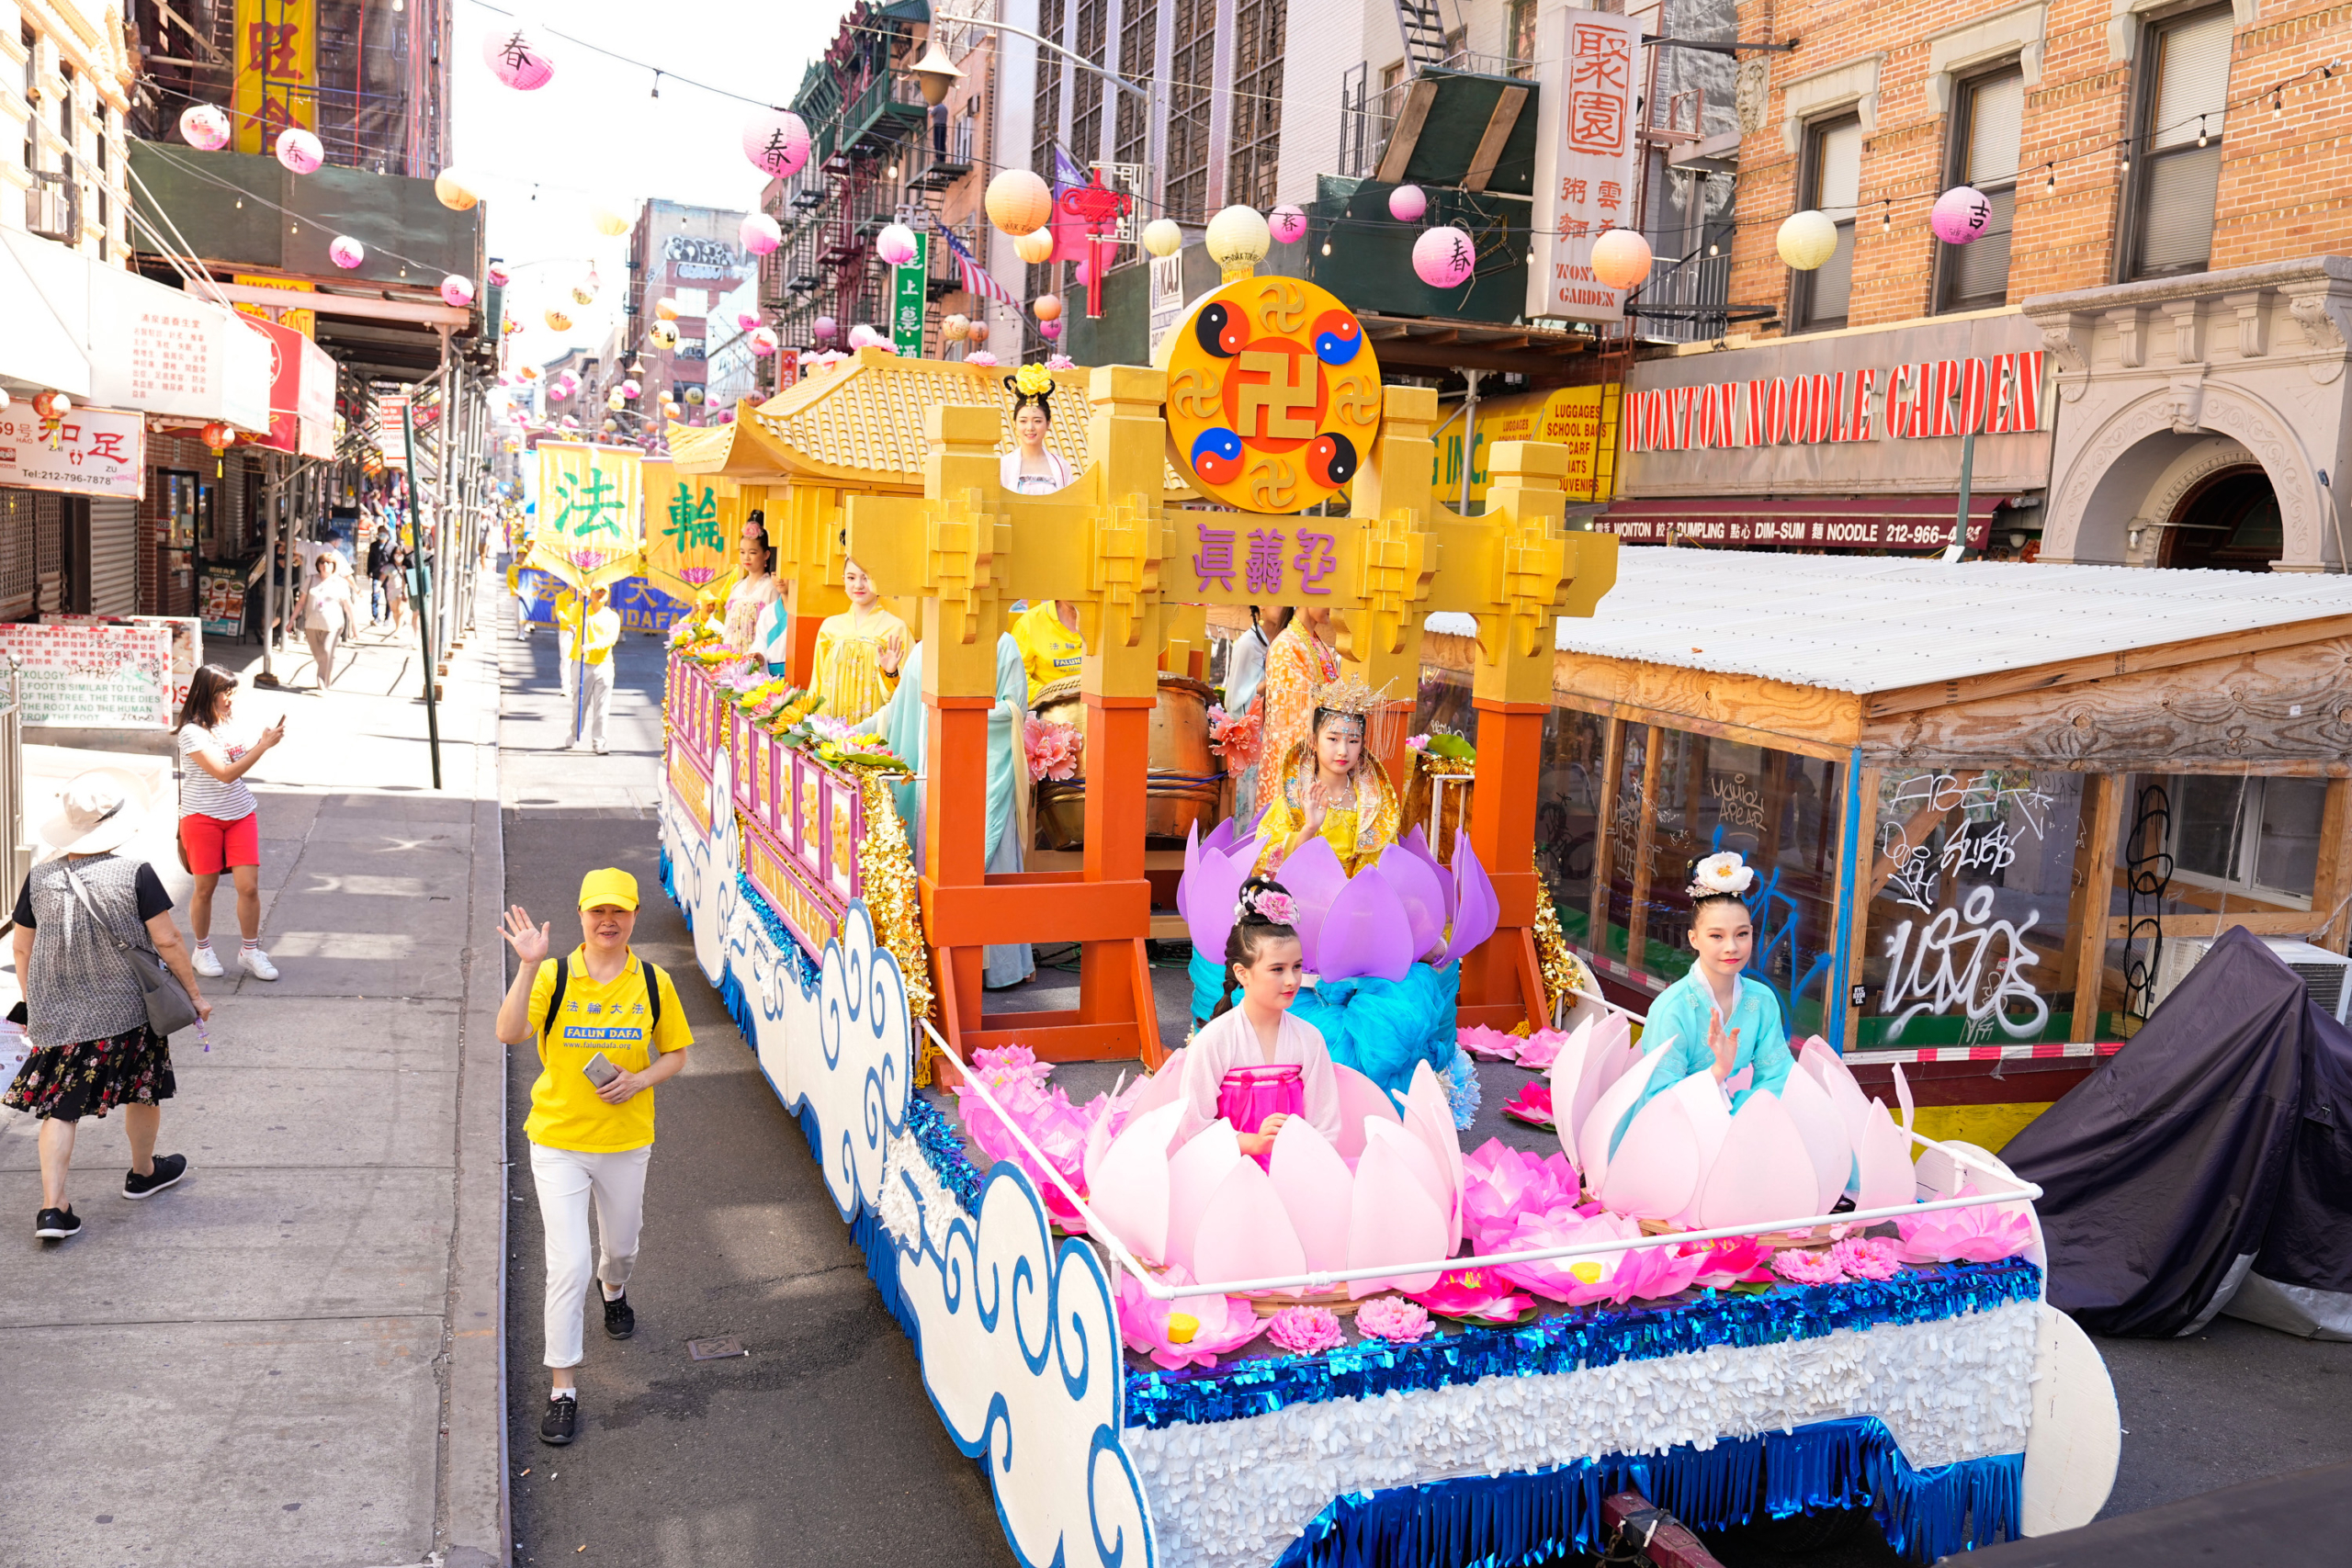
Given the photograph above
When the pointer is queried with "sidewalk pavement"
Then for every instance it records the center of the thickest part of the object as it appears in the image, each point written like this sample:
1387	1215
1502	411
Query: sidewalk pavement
295	1357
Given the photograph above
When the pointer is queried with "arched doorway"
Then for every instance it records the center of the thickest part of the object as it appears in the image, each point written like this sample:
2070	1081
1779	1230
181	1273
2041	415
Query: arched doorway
2229	522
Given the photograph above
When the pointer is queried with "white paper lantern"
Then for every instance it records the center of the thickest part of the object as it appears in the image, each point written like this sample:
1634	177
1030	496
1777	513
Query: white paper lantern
1807	240
1163	236
1238	238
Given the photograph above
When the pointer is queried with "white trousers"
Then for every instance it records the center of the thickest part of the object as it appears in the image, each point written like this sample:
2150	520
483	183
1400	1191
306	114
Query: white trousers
600	700
568	1181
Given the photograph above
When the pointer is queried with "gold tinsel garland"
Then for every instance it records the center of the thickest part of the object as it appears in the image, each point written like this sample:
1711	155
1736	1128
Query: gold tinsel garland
886	867
1563	972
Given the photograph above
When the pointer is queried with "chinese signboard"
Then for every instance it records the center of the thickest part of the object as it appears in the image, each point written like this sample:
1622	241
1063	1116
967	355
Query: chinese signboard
1585	143
1274	395
88	452
277	72
1582	419
687	543
590	511
391	431
1167	299
94	676
302	395
906	299
164	352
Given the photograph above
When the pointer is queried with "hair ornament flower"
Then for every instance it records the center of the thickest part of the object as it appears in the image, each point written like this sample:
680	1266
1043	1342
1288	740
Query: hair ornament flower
1032	380
1722	874
1270	905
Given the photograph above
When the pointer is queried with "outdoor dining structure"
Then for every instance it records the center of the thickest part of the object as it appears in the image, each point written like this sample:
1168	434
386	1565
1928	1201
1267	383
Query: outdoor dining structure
1997	809
1166	1352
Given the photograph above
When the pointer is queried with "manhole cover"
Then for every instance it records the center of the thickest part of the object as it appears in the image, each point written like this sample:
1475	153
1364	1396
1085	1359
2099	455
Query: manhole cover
716	1350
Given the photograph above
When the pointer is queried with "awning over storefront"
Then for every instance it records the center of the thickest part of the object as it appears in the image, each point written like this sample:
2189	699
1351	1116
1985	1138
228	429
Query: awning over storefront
1865	523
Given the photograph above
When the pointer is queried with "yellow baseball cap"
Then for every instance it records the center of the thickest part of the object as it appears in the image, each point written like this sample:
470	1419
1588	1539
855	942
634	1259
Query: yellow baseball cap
608	885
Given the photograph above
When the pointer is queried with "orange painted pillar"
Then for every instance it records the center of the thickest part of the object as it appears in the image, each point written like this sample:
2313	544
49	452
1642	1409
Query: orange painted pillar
1502	832
954	838
1118	766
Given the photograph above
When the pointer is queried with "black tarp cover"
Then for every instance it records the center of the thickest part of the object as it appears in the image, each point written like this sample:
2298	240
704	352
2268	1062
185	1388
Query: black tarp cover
2213	1152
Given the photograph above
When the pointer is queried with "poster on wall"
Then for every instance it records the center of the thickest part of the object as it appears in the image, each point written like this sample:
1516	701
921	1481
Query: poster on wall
94	675
220	600
1585	147
84	452
187	642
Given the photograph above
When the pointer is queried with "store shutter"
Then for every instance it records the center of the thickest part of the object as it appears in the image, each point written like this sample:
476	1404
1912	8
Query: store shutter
114	557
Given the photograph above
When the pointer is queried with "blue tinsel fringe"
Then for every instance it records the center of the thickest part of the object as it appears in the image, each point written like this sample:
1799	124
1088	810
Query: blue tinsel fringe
1461	1090
1497	1521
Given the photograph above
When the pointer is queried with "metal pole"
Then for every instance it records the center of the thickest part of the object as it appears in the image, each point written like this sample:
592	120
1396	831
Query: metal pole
423	626
1959	545
1469	435
276	478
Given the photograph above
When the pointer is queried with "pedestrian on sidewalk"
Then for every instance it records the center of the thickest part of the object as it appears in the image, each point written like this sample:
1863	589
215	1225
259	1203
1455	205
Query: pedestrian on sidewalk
220	820
85	1008
380	593
589	666
609	1028
326	612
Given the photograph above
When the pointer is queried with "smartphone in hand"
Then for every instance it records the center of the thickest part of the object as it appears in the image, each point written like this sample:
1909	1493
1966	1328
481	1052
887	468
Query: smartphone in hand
600	1070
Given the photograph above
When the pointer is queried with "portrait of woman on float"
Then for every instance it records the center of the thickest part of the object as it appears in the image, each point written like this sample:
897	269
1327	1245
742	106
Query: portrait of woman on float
755	588
1254	1063
1715	1019
859	652
1029	468
1299	662
1333	787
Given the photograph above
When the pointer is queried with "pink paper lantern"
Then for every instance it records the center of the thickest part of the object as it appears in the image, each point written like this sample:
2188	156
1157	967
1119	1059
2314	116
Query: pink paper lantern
1444	258
894	244
629	388
345	252
777	141
746	319
499	276
824	329
517	57
1962	214
759	233
300	150
1287	224
1050	330
1407	203
862	336
1083	273
764	342
457	290
205	128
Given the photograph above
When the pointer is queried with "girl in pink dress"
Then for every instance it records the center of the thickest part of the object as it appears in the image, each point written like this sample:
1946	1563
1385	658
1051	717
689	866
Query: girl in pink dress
1253	1064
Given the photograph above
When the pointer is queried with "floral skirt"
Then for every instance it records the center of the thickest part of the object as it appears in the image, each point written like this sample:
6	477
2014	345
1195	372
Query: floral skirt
93	1076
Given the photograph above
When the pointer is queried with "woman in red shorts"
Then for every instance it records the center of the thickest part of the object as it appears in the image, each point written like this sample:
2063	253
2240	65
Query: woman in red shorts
220	824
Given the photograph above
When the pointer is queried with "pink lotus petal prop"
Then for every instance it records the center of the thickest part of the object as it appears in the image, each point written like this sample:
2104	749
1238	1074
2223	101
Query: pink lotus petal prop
1709	1112
1734	1260
1600	1124
1884	1155
1128	1187
1314	1185
1654	1273
1477	909
1570	1280
1903	1095
1163	1087
1655	1172
1362	1102
1195	1172
1496	1181
1414	844
1488	1044
1533	1107
1606	1056
1362	933
1542	1049
1416	886
1211	1326
1391	1219
1245	1233
1762	1171
1416	1157
1214	882
1822	1130
1982	1235
1430	1118
1474	1296
1315	877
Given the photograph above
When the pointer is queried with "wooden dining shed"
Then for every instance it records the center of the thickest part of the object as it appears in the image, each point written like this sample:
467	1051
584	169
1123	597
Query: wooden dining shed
1983	799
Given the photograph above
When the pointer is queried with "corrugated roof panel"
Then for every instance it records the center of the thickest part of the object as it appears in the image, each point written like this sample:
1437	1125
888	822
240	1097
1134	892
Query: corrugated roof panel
1876	624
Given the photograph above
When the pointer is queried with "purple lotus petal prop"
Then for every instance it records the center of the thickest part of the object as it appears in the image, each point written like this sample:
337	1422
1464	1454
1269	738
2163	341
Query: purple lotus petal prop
1363	932
1420	889
1414	844
1221	836
1216	880
1477	911
1315	878
1192	863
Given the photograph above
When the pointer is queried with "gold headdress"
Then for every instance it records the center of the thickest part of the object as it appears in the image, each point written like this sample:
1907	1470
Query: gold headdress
1349	694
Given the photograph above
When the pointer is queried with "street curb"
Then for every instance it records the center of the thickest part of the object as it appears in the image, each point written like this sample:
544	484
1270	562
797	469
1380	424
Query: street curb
474	1527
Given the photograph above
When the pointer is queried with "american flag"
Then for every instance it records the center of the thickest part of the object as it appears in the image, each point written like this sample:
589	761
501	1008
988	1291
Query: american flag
975	278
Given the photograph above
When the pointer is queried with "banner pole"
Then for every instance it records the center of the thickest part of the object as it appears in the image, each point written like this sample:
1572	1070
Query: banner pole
418	571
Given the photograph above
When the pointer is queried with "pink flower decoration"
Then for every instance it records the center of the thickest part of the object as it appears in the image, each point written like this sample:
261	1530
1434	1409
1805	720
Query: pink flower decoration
1488	1044
1799	1267
1735	1260
1394	1318
1533	1105
1500	1183
1237	739
1541	1049
1475	1295
1054	750
1188	1331
1982	1235
1417	743
1279	908
1305	1330
1867	1257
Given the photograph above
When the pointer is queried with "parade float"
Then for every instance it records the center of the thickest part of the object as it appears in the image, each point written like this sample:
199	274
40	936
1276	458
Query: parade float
1376	1347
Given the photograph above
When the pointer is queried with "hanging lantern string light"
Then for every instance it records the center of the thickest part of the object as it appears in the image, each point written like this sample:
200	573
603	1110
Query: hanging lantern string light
164	151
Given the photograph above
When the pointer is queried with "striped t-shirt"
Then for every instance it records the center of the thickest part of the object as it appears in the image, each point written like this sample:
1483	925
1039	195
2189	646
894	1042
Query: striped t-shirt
201	794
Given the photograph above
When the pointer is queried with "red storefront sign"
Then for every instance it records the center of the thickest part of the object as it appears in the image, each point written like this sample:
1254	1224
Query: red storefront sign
1870	523
301	393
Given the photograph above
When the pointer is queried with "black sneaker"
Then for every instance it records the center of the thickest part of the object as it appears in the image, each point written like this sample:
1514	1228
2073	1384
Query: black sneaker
168	1170
620	1318
56	1224
555	1427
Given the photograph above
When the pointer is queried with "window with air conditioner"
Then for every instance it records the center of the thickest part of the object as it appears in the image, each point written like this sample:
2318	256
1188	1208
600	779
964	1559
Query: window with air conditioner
1832	184
1985	135
2179	146
2259	838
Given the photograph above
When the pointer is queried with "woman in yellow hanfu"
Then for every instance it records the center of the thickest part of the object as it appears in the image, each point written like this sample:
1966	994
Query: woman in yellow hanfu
1331	788
859	652
1299	663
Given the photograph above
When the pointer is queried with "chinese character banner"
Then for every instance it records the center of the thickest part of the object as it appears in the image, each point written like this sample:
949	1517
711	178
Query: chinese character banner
589	512
688	542
278	72
1586	145
1236	559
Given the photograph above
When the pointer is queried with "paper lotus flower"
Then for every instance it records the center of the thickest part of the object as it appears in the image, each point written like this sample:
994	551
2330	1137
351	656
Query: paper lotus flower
1404	907
1488	1044
1060	362
777	141
1044	1112
345	252
1400	1320
1800	1267
1307	1330
983	359
1533	1106
1189	1331
1475	1295
1867	1257
1500	1182
517	57
1979	1234
300	150
205	128
1642	1273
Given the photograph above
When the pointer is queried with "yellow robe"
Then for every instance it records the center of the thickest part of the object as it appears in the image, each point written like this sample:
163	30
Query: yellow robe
1296	663
1051	651
848	671
1357	835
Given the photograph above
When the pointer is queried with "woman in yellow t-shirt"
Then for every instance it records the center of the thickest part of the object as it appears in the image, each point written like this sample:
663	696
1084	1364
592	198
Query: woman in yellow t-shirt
1051	650
609	1028
859	652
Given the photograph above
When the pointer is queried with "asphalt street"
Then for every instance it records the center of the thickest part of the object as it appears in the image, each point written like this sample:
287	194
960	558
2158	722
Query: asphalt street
820	1446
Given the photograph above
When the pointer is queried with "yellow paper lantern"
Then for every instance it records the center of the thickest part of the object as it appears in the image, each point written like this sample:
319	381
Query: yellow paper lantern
609	219
664	335
1807	240
666	309
1036	247
956	328
1019	202
1048	307
456	193
558	322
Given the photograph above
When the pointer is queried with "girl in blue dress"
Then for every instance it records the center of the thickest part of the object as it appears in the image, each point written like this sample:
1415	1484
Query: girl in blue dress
1715	1020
